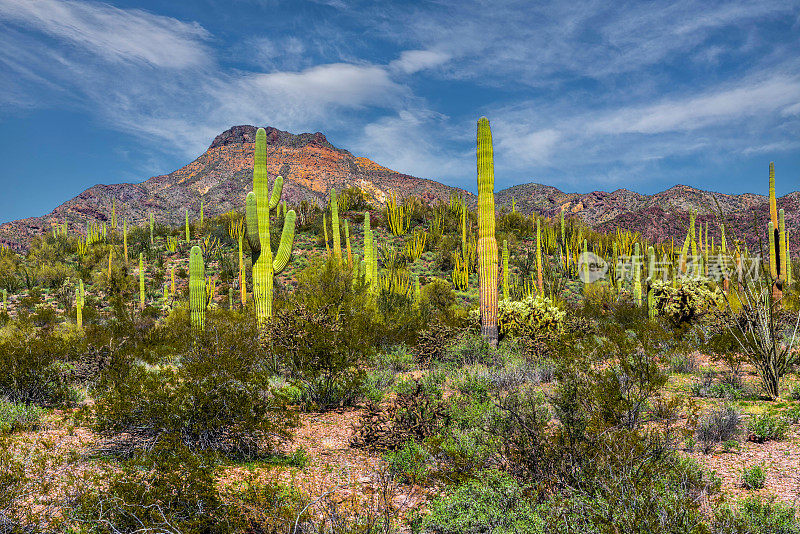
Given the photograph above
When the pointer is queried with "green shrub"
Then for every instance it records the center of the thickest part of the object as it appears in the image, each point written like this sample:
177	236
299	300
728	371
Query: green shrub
494	502
219	396
794	393
168	489
753	516
19	416
718	425
409	464
35	365
767	427
753	477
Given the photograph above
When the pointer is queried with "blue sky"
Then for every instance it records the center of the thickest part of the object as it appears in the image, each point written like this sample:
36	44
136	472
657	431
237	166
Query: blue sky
581	95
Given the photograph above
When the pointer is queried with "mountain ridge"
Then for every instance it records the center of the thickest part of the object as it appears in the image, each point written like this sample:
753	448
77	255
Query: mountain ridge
312	166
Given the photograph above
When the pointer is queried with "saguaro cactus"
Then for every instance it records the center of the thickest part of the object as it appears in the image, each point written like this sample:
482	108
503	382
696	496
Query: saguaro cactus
188	236
651	271
79	301
259	204
505	269
197	288
539	279
152	224
347	243
141	281
125	239
777	240
242	272
487	244
337	238
637	275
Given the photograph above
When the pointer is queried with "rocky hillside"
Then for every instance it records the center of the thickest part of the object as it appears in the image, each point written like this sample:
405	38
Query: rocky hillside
312	166
222	176
658	216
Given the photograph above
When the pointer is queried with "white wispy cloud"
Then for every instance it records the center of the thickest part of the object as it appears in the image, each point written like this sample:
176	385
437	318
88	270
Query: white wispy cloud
411	61
113	33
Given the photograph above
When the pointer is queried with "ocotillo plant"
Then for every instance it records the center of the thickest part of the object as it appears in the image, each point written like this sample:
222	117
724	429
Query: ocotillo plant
197	288
141	281
337	238
259	204
487	244
505	269
79	301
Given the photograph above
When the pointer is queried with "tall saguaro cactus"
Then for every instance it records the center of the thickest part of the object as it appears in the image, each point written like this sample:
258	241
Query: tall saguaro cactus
259	204
197	288
505	269
487	244
79	301
777	240
337	238
539	281
141	281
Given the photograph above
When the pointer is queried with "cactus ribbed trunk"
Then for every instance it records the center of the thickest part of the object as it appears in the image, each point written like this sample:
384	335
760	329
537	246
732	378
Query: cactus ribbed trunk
337	239
487	244
242	272
539	278
347	242
259	203
141	281
188	235
505	269
197	288
79	301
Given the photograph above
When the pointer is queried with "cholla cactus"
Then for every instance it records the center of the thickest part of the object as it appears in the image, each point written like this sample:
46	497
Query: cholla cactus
197	288
259	204
487	244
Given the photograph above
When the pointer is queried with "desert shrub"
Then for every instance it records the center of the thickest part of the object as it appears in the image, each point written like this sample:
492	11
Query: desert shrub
691	299
684	363
493	502
167	489
753	516
437	299
376	383
528	316
792	415
19	416
409	464
53	275
218	396
34	366
469	349
754	477
794	393
397	359
718	425
766	427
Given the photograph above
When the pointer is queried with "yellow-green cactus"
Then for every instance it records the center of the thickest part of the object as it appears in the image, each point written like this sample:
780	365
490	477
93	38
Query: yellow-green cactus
141	281
259	203
197	288
487	244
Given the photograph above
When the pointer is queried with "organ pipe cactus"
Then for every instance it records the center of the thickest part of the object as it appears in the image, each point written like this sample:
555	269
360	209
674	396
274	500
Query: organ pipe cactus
259	203
347	243
651	272
197	288
325	233
368	250
487	244
5	300
337	243
505	269
188	236
141	281
79	301
125	239
152	224
395	214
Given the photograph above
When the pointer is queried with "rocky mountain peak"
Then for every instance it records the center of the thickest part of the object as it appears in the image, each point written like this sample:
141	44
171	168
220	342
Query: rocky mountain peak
243	134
